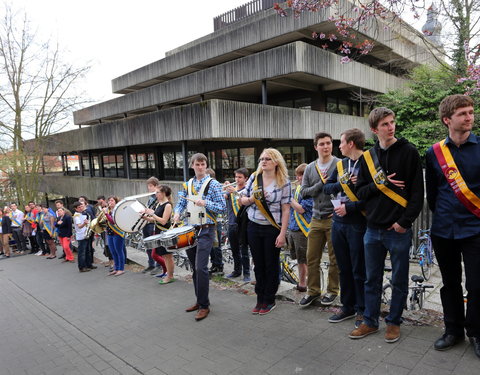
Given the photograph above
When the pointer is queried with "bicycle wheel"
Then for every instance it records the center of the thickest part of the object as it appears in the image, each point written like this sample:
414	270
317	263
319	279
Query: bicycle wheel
425	261
415	300
387	294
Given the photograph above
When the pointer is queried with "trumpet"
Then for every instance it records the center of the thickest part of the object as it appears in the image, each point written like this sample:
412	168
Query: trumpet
224	188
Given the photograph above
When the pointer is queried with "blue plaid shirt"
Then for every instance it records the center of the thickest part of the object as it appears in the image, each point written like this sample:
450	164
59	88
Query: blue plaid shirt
214	199
307	205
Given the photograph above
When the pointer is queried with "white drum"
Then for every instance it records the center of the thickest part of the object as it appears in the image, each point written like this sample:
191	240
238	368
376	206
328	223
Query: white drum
152	242
127	215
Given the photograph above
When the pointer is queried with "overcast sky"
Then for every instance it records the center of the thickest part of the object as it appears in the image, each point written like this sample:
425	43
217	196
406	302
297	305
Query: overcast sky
118	36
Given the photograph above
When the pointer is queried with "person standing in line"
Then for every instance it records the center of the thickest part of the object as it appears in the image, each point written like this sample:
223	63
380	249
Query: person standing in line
29	228
17	218
315	177
390	182
39	232
453	195
202	199
115	239
90	213
64	226
299	227
48	231
80	220
6	224
241	259
101	204
267	195
348	228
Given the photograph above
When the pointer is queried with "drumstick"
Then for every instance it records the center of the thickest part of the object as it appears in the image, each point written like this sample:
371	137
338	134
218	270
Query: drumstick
188	199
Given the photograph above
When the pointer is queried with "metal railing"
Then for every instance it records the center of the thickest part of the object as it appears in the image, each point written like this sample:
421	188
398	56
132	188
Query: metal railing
242	12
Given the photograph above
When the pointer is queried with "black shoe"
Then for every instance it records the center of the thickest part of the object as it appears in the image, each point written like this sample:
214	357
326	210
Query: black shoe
216	271
328	299
340	317
145	270
63	256
83	270
92	267
447	341
475	341
307	300
234	274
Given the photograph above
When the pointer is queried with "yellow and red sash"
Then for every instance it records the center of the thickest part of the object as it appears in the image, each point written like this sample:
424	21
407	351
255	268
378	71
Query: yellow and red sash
380	178
322	177
260	202
455	179
302	223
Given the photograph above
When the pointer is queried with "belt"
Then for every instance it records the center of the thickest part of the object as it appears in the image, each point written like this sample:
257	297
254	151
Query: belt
326	216
204	226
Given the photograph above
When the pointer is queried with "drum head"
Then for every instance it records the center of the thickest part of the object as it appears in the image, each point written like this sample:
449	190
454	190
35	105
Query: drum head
126	215
179	230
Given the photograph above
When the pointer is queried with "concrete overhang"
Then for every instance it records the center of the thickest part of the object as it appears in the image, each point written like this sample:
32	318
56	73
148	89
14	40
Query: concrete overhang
266	30
211	120
296	64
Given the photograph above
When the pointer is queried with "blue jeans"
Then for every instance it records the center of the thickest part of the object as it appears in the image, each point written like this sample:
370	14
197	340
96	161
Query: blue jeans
116	245
148	230
377	242
198	257
82	253
347	240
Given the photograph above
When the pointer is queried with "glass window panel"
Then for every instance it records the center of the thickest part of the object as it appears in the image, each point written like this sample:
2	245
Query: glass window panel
85	165
304	103
169	165
298	156
287	155
211	160
109	168
120	167
247	159
286	103
332	105
343	107
96	165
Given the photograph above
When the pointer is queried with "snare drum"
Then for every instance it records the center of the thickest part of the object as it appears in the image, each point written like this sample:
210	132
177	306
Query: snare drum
127	213
152	242
179	238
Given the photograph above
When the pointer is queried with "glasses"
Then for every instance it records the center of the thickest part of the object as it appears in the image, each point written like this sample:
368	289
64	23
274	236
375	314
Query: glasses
264	159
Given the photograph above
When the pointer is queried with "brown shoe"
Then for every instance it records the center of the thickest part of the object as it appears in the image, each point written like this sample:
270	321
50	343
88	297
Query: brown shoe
362	331
193	308
84	270
392	333
202	314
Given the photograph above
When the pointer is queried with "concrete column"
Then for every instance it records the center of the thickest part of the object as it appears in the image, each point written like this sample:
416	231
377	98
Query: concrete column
264	92
185	160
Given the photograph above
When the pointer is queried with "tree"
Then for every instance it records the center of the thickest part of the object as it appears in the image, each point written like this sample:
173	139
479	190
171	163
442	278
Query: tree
37	96
352	17
416	106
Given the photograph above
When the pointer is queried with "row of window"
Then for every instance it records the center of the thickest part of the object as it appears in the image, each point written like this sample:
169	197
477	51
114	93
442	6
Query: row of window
169	165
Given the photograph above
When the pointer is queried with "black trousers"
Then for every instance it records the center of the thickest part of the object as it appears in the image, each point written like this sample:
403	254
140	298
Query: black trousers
449	255
266	258
19	239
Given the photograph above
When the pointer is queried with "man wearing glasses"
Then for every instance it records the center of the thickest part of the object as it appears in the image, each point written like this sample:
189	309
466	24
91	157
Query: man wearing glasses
315	176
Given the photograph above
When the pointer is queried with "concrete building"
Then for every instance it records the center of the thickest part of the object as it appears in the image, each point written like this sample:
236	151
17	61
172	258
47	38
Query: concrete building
259	80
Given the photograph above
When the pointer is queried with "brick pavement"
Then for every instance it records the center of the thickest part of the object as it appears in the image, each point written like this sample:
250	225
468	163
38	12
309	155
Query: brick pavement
55	320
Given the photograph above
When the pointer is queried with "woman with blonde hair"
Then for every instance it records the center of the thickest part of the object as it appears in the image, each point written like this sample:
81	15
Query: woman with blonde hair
267	195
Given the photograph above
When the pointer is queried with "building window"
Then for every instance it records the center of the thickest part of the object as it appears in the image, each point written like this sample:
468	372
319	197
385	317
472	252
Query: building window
113	166
85	164
96	165
294	156
72	165
142	165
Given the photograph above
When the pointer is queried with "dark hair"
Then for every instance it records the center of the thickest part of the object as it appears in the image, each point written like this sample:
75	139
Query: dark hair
31	202
75	204
59	201
115	198
378	114
165	190
101	197
84	197
321	135
451	103
243	171
198	157
356	136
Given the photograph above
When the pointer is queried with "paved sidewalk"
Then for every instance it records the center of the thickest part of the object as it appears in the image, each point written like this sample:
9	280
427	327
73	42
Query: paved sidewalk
55	320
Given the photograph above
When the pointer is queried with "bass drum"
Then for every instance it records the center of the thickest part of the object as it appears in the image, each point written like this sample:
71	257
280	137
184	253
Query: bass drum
127	215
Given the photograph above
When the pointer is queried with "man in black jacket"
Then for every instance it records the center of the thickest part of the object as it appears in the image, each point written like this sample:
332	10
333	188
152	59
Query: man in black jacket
390	181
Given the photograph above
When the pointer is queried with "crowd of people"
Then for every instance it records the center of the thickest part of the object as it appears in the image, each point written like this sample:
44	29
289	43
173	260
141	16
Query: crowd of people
360	207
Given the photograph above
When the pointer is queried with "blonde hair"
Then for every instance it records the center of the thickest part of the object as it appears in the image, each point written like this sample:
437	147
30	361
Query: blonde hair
281	172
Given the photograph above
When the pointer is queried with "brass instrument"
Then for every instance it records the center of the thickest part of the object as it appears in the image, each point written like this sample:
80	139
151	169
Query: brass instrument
97	225
224	187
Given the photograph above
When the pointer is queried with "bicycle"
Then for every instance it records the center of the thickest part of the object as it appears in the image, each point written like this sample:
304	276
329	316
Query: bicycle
387	288
181	259
289	268
417	296
424	253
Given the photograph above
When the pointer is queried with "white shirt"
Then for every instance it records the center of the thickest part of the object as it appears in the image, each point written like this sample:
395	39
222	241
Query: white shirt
17	215
79	219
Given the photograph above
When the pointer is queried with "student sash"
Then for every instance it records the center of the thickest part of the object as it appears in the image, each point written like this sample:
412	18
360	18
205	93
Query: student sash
380	178
302	223
235	203
115	228
14	219
260	201
455	179
345	182
47	226
324	180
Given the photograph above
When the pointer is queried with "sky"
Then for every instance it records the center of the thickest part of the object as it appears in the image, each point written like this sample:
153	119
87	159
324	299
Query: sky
115	37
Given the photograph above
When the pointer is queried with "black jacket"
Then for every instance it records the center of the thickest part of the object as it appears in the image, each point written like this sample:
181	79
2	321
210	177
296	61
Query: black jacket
6	225
65	229
403	159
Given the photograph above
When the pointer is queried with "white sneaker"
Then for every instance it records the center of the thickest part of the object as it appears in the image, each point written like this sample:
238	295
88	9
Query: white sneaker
38	253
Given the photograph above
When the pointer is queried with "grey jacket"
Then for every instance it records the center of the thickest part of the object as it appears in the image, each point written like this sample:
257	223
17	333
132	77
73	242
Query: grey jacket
312	187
